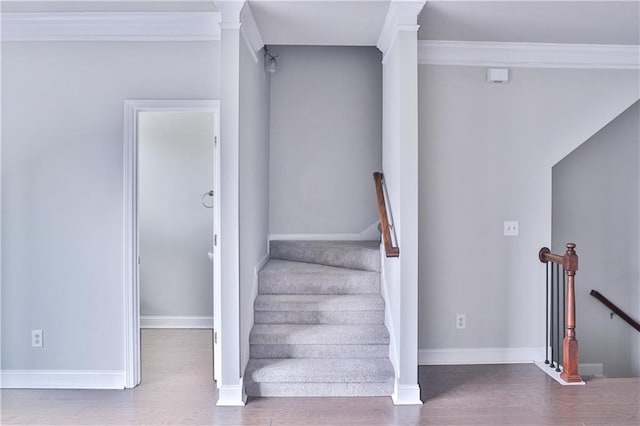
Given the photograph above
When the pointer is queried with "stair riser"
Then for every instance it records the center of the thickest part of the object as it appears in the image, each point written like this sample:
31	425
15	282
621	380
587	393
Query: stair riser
321	317
319	351
343	256
298	302
368	283
318	389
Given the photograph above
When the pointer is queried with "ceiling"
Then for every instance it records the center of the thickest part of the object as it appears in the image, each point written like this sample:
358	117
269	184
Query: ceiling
590	22
358	22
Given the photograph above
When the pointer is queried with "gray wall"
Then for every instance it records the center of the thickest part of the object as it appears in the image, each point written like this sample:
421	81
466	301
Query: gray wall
175	158
326	128
254	185
62	189
486	153
595	204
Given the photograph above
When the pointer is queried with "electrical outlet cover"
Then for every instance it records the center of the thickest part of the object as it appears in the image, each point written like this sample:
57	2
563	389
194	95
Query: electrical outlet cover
511	228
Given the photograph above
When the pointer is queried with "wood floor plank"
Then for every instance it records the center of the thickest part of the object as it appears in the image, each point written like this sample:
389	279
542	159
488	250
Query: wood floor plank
177	389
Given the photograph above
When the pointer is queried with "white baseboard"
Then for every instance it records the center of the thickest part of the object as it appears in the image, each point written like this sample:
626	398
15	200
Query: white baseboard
371	233
246	352
555	375
480	356
62	379
592	369
231	395
156	321
406	394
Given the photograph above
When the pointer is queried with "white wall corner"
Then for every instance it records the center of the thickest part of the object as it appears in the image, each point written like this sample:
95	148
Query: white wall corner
402	15
528	55
111	26
480	355
251	33
62	379
406	394
232	395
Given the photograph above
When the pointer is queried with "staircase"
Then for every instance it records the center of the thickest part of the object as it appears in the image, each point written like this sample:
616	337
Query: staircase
319	322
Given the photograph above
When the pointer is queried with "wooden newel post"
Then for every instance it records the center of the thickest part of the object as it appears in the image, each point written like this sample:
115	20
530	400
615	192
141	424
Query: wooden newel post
570	343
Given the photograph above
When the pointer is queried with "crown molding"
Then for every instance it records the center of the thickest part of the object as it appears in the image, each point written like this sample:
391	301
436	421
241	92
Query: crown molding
251	33
111	26
529	55
402	15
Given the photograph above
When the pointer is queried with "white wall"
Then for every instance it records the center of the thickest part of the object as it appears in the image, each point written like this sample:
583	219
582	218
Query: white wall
595	205
486	153
175	158
325	139
254	185
62	189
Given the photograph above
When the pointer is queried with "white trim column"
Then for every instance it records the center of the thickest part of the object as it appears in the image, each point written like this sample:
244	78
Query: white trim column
230	389
399	45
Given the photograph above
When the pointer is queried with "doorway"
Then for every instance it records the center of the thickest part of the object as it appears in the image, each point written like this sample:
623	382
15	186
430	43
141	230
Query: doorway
150	119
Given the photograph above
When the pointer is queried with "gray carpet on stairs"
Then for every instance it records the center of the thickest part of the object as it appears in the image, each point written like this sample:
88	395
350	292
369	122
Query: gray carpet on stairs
319	322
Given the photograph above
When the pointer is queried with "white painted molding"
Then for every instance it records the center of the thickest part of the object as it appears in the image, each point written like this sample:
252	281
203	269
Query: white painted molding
231	395
371	233
156	321
388	318
131	276
256	269
401	14
592	369
247	43
529	55
246	354
62	379
251	32
555	375
480	356
406	394
111	26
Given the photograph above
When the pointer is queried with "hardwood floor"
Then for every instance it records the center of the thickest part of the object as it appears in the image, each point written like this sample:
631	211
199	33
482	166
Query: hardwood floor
177	390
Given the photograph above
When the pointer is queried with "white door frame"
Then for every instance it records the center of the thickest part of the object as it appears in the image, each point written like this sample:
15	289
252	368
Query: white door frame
131	243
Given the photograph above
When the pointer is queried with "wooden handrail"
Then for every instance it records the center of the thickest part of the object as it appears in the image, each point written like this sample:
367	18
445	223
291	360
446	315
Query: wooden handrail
389	248
616	310
569	344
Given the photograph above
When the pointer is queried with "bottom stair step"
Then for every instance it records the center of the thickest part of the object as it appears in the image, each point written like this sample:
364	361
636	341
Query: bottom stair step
319	377
318	389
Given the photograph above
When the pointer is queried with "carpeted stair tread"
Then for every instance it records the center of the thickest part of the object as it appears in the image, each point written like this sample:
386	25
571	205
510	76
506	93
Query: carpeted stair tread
319	351
348	370
318	334
319	323
363	255
289	277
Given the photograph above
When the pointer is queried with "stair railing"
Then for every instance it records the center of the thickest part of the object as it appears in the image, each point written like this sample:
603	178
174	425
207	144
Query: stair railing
616	310
567	310
385	225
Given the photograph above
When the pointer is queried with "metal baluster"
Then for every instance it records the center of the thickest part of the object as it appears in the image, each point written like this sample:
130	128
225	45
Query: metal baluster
553	326
558	318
